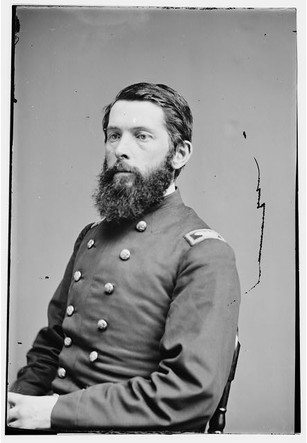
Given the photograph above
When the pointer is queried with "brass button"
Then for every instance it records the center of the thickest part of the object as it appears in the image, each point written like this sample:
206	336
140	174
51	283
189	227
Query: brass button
93	356
125	254
70	310
90	243
67	341
141	226
77	275
108	288
102	324
61	372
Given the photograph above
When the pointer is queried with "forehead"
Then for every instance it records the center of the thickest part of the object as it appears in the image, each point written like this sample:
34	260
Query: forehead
137	113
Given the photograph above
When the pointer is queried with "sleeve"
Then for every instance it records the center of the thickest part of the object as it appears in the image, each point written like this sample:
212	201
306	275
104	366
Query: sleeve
196	354
42	359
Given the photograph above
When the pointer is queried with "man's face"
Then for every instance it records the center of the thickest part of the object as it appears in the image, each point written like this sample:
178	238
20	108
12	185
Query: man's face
138	165
136	137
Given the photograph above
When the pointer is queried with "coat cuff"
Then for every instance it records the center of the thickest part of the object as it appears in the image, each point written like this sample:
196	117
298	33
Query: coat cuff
65	412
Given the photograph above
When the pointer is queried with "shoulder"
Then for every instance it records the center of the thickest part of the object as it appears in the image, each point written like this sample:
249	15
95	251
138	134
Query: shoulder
208	263
203	242
208	247
195	230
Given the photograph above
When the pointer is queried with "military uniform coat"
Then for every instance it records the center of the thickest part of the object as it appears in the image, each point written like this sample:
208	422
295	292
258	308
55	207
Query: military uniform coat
141	330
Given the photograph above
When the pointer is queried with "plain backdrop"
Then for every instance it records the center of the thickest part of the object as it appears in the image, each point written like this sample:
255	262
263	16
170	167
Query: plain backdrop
237	70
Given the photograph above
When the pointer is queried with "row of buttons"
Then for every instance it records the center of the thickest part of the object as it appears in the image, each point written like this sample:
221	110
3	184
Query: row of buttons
102	324
93	356
124	255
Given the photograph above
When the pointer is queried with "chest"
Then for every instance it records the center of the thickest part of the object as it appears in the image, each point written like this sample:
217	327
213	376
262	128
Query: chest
126	276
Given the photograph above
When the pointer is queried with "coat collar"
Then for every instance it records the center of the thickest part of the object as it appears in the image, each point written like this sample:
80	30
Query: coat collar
170	201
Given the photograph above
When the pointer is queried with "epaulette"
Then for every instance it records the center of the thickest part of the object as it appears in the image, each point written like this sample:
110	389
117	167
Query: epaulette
199	235
97	222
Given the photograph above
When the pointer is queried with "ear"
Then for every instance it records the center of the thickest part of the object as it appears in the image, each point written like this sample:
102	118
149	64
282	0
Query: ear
182	155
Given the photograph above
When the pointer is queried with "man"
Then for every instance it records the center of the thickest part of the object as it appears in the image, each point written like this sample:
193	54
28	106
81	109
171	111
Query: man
141	330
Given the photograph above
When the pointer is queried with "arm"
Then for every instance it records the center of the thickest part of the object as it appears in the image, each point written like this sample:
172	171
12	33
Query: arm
196	354
42	359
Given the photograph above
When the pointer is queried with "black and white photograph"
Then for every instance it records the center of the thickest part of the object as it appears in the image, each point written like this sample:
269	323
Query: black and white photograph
153	214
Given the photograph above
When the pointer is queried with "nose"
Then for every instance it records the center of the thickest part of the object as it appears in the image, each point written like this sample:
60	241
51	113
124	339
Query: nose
123	147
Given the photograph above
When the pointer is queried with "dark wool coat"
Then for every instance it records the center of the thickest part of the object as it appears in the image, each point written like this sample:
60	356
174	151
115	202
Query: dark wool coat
141	330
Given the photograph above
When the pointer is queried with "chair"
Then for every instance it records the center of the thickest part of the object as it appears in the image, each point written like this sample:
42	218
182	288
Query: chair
218	420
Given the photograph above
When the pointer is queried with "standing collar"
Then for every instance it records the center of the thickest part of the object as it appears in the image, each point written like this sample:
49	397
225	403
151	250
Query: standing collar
170	189
170	200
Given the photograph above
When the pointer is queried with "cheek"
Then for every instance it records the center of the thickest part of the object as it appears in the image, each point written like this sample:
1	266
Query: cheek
110	158
158	156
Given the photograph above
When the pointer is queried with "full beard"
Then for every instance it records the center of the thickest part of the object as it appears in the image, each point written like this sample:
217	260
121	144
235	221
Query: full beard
123	193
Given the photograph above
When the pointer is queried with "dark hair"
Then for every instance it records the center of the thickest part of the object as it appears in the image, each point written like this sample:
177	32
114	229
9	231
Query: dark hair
177	113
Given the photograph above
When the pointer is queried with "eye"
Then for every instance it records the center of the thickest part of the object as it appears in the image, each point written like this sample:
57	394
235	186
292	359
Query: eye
113	136
143	136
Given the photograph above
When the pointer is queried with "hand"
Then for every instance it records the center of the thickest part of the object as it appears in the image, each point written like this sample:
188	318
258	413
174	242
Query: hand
30	412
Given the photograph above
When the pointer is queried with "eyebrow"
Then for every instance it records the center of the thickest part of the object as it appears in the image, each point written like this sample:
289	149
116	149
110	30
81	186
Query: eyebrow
112	128
133	128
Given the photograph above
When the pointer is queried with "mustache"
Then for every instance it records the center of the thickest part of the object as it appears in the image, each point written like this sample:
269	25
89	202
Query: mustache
120	166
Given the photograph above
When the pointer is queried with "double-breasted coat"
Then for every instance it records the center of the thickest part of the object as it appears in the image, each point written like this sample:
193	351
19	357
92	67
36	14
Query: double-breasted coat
141	330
